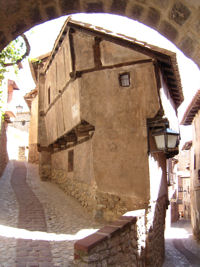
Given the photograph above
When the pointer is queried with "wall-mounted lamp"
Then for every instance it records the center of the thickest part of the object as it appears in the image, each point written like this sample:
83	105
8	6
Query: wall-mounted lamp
166	140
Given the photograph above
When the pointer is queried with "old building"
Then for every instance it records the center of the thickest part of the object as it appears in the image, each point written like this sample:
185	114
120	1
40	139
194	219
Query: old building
103	99
184	180
18	135
192	117
15	127
7	112
31	99
17	130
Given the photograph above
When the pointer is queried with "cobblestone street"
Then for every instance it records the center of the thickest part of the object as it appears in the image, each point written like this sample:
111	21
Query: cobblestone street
181	250
39	223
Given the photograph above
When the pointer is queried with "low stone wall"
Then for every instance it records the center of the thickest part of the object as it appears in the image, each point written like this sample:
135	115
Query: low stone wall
136	240
117	244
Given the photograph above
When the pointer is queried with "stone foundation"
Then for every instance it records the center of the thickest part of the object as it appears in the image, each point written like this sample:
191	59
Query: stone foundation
83	192
45	165
33	155
105	206
108	206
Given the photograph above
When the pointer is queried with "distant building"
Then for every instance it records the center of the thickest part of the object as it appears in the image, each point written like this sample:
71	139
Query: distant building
103	99
18	135
15	126
192	117
173	212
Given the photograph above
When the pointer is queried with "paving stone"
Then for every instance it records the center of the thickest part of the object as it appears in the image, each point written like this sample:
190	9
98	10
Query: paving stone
35	205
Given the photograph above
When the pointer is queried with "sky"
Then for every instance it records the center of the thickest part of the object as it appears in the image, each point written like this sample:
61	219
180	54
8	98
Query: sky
42	38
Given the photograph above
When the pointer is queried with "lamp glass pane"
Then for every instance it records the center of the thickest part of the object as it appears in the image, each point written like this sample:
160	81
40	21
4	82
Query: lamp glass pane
172	139
160	141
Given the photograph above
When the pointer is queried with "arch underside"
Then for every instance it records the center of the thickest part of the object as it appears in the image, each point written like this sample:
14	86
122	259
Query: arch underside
178	21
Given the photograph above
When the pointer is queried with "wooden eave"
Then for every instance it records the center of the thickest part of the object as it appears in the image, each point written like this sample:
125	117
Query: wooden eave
192	110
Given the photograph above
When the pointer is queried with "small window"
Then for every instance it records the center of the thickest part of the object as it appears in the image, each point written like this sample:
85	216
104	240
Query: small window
49	95
70	161
124	79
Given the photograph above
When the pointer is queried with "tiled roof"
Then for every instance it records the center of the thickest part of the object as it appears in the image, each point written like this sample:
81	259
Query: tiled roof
192	109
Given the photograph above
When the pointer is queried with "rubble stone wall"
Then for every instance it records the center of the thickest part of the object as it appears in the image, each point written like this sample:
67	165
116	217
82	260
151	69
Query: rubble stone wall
155	243
33	155
127	241
84	193
116	244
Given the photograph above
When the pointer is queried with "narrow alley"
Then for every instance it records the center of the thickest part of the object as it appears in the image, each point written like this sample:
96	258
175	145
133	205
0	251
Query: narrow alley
180	247
39	223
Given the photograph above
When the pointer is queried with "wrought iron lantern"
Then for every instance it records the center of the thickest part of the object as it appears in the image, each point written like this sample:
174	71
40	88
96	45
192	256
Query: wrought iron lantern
166	140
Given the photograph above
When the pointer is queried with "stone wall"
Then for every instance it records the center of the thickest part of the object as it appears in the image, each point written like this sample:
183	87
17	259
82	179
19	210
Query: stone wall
155	249
109	206
81	191
33	155
3	147
113	245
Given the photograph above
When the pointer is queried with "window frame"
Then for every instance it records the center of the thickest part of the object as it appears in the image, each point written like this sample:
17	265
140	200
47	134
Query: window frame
122	80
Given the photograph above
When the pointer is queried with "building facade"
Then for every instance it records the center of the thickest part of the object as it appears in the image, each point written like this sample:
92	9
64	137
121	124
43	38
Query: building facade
184	181
172	181
31	99
192	117
101	96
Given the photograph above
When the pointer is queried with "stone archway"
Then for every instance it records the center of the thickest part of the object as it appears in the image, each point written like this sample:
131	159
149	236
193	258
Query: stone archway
178	20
